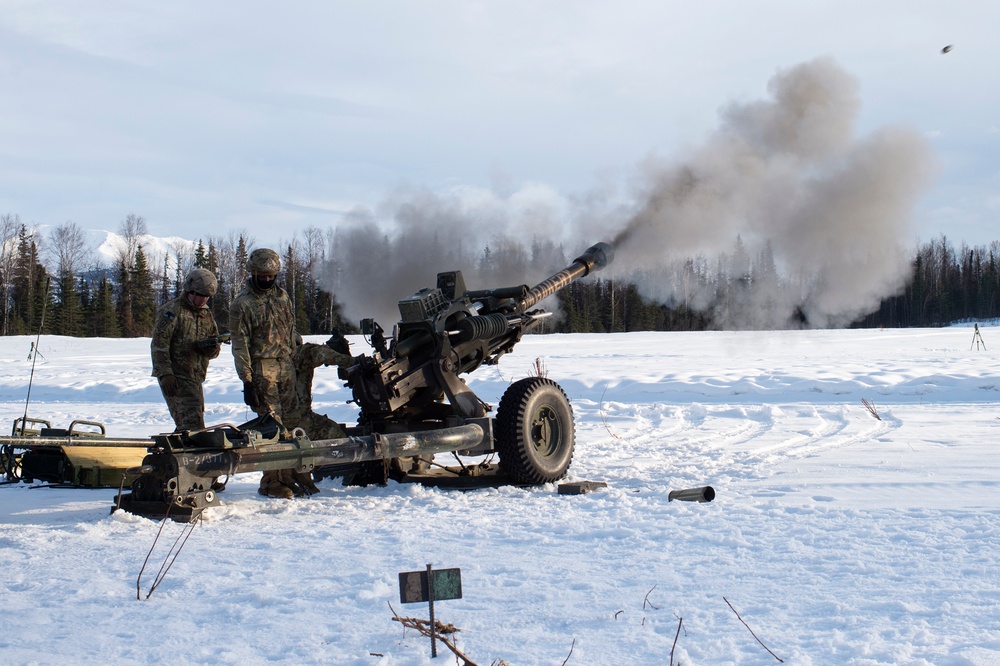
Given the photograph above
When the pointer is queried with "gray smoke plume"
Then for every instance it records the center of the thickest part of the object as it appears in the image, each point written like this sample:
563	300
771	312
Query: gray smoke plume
496	241
782	217
784	184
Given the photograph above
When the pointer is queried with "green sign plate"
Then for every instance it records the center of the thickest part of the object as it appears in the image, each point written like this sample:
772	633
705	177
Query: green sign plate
444	584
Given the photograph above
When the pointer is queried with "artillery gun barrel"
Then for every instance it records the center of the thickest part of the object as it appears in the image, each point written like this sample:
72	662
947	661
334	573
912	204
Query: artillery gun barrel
308	454
593	259
182	483
304	454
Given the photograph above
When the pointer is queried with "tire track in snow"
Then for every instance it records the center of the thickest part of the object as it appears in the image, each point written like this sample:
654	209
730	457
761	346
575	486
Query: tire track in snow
795	432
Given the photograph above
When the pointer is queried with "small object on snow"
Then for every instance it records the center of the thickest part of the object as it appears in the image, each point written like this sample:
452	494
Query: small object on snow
703	494
870	406
580	487
977	339
947	49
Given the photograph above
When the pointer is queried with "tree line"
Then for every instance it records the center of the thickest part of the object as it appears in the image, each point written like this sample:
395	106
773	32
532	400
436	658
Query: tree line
54	285
946	285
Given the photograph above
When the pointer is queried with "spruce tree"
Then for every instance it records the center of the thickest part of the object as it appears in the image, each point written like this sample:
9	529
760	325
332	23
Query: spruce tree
68	315
102	321
143	296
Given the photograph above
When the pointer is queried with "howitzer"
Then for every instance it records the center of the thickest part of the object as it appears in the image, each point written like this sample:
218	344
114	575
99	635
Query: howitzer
413	382
413	404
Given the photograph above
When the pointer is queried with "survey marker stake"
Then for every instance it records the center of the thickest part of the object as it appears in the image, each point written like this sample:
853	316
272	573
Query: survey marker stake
430	586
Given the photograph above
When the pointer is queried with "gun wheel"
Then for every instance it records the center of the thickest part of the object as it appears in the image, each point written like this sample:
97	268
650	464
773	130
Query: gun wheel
10	463
534	431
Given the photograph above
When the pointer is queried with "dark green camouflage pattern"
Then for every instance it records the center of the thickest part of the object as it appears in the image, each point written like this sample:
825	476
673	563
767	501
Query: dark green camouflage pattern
179	325
262	323
308	357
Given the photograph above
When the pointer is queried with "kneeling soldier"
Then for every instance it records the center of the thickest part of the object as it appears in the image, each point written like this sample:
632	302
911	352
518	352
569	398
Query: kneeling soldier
308	357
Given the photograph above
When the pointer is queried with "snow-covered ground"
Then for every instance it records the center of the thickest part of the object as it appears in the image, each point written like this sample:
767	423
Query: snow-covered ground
839	538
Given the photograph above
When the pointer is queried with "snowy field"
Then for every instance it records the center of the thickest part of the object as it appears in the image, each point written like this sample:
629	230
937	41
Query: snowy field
839	538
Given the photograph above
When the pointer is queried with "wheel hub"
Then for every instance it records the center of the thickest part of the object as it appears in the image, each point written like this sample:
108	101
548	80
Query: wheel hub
545	431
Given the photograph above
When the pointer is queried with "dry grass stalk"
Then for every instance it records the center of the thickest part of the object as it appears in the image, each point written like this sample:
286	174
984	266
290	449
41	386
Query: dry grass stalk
647	601
571	646
870	406
751	631
600	410
680	622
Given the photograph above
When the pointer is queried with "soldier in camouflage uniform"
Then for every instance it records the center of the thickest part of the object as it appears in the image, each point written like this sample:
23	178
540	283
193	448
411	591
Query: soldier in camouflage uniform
262	322
185	338
308	357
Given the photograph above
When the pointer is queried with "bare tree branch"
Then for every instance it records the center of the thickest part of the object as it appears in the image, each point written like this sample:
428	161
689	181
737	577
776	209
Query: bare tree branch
680	622
440	630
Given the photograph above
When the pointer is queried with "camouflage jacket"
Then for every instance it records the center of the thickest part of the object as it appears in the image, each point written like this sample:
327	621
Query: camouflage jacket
179	324
263	326
309	357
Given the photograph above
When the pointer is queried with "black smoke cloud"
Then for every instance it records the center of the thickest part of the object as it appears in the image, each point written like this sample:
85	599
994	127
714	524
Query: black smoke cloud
784	196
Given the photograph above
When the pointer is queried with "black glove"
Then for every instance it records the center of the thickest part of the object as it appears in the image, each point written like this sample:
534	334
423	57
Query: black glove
206	343
168	385
344	371
208	347
339	343
250	396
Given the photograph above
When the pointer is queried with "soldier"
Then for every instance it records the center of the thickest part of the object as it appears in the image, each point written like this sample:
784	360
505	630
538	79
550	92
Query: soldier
262	322
185	338
308	357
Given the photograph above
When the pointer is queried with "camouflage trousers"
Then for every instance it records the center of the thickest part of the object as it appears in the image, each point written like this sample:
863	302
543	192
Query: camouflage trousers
274	379
319	426
186	405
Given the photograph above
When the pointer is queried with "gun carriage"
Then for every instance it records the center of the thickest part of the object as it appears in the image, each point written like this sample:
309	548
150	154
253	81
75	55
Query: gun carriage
413	382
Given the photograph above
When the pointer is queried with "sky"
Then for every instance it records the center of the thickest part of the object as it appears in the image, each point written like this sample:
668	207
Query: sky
270	118
837	537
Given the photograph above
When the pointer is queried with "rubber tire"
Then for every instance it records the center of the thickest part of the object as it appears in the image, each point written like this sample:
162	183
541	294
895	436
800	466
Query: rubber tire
532	450
10	464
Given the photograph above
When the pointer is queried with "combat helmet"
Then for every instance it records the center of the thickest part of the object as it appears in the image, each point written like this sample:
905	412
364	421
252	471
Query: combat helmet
263	260
202	282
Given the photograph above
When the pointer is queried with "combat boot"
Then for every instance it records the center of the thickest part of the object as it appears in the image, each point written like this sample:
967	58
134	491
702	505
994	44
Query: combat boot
305	480
287	478
271	486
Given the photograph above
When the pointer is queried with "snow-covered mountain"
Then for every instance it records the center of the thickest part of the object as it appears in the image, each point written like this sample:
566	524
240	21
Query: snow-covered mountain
107	245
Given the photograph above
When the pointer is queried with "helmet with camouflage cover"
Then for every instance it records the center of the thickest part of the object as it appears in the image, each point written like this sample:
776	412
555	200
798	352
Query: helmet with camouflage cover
263	260
202	282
